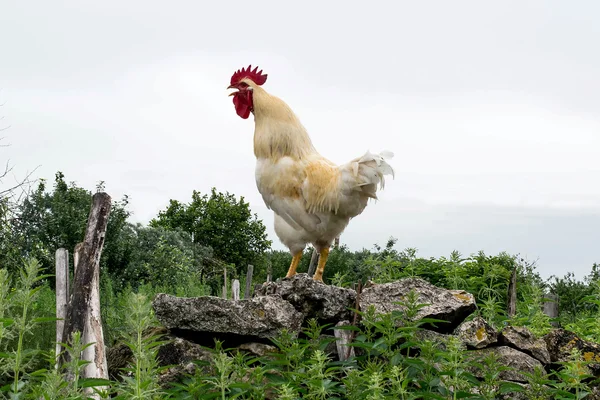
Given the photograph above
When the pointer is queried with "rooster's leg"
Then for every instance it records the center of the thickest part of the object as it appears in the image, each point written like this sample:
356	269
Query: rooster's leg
294	265
321	267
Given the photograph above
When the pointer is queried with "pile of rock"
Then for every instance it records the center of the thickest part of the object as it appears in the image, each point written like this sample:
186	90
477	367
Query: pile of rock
288	304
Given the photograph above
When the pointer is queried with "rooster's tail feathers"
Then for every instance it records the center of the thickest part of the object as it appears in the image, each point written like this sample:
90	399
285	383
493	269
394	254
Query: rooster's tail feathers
370	170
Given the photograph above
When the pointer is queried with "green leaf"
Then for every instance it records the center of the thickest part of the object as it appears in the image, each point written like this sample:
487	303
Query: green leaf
6	322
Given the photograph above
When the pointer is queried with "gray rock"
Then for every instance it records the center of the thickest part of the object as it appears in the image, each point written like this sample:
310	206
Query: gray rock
522	339
561	342
261	317
181	356
326	303
595	394
476	333
258	349
452	306
440	339
179	351
517	361
120	356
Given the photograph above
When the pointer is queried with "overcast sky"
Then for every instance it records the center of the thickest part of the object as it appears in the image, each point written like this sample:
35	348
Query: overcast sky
492	109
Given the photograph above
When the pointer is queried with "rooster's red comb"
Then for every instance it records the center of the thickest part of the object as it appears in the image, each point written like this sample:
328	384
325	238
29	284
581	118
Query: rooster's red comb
257	77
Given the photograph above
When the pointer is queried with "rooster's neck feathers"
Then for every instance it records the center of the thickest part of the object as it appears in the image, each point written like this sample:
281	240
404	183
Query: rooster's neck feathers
278	131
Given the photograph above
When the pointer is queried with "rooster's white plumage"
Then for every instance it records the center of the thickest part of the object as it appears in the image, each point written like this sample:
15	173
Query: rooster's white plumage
313	199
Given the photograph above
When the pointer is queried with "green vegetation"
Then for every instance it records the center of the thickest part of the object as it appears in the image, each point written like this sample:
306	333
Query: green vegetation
184	250
221	222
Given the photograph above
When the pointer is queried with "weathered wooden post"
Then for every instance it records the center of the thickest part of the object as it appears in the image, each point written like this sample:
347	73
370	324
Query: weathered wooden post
92	332
550	307
343	338
225	283
235	289
81	311
512	293
269	271
62	295
314	258
248	281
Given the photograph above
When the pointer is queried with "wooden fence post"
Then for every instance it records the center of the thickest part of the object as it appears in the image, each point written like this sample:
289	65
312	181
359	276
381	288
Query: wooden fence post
62	295
225	283
550	307
85	282
76	256
248	281
342	339
512	293
314	258
235	289
93	332
269	271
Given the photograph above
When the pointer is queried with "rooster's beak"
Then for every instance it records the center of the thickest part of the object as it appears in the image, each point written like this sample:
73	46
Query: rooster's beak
231	87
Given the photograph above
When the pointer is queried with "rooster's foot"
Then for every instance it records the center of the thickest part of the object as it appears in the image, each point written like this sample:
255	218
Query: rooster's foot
294	265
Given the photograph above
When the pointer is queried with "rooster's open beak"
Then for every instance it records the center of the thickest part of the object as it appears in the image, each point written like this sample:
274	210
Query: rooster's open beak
231	87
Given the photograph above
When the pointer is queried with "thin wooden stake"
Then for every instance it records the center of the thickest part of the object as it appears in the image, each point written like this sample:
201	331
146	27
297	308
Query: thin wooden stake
269	271
248	281
356	316
225	283
235	289
62	295
314	258
512	293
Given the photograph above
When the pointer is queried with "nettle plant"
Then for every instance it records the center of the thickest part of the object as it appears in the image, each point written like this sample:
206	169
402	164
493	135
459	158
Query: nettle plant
395	358
27	372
